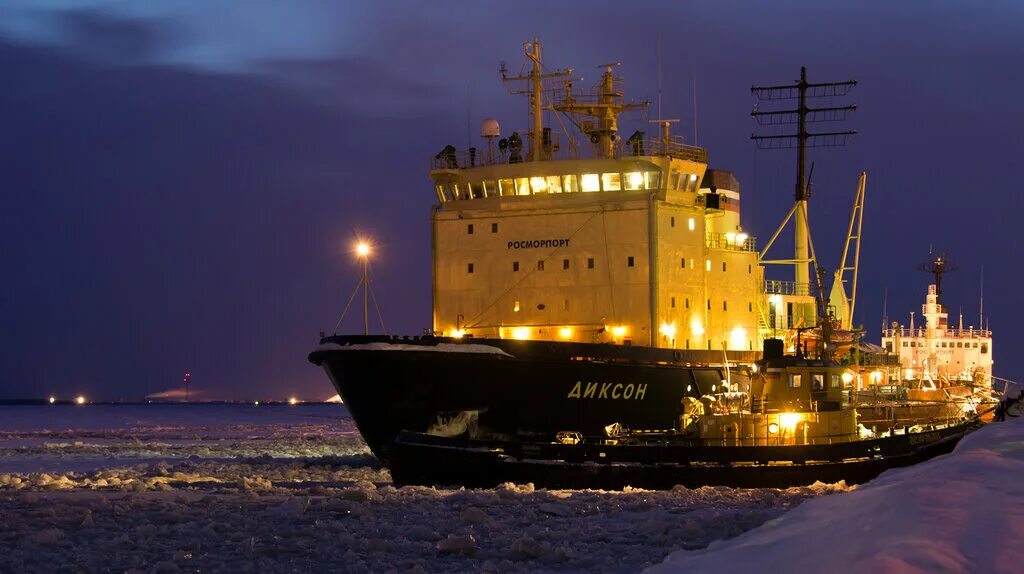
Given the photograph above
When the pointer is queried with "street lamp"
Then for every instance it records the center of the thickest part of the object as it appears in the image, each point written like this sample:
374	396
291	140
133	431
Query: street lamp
363	251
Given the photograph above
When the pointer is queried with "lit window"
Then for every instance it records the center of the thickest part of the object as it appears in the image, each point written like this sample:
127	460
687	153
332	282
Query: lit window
590	182
440	193
611	181
634	180
835	381
538	185
707	265
570	184
506	187
674	180
652	179
691	224
794	381
522	186
515	307
554	184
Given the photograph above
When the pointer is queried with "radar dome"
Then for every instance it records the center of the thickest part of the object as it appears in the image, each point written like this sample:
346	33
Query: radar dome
490	128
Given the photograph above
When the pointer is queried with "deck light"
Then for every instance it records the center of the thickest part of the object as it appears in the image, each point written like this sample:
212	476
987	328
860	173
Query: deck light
789	420
53	399
668	330
696	328
520	333
293	401
773	428
741	239
79	400
565	332
636	179
619	331
458	333
847	377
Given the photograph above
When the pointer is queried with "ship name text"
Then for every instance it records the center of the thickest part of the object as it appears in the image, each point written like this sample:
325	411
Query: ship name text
538	243
583	390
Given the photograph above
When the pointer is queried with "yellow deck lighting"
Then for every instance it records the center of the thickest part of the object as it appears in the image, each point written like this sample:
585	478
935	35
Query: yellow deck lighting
79	400
565	332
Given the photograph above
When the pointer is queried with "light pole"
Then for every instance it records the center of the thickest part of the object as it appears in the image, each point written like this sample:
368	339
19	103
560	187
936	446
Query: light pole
363	251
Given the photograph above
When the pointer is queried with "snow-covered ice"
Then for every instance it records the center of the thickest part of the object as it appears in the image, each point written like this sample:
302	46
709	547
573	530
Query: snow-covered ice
963	512
165	488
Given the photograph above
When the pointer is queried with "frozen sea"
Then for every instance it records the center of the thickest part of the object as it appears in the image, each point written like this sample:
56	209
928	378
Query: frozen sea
244	488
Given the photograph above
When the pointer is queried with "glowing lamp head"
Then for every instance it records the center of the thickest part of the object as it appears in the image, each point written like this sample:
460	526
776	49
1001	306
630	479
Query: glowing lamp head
618	331
53	399
520	333
636	179
256	403
79	400
362	249
565	332
293	401
789	420
847	377
696	328
668	330
458	333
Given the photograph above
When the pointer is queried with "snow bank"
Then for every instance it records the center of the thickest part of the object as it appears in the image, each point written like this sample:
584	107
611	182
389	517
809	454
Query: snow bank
963	512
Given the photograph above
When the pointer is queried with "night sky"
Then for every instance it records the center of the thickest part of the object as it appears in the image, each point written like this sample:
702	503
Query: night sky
182	181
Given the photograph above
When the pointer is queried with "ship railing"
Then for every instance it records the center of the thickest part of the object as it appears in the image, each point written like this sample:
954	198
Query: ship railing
955	333
773	287
452	158
730	241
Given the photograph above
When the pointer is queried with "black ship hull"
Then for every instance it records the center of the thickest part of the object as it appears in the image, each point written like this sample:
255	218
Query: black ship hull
507	388
482	412
429	460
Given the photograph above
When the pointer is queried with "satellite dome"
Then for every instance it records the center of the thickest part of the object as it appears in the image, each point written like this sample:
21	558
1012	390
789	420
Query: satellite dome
490	128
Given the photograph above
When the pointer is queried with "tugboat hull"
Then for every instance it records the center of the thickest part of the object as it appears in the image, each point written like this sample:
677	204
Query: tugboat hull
426	460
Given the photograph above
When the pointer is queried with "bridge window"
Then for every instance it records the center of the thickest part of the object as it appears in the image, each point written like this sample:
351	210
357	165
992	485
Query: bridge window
674	180
569	184
522	186
691	183
634	181
538	185
476	190
611	181
554	184
489	189
652	179
590	182
506	187
835	381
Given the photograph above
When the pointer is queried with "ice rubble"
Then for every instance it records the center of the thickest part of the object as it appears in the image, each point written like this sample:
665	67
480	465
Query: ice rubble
303	494
958	513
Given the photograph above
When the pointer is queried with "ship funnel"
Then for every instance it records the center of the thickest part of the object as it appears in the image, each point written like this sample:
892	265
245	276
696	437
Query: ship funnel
773	349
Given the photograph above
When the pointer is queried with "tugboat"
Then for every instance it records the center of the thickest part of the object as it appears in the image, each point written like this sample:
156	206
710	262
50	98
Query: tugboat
596	310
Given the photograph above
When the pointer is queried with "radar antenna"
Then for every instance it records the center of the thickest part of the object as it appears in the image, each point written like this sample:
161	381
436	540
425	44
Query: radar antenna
938	267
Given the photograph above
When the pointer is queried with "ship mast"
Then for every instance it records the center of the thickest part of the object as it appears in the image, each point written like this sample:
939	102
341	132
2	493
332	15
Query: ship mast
536	93
801	116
